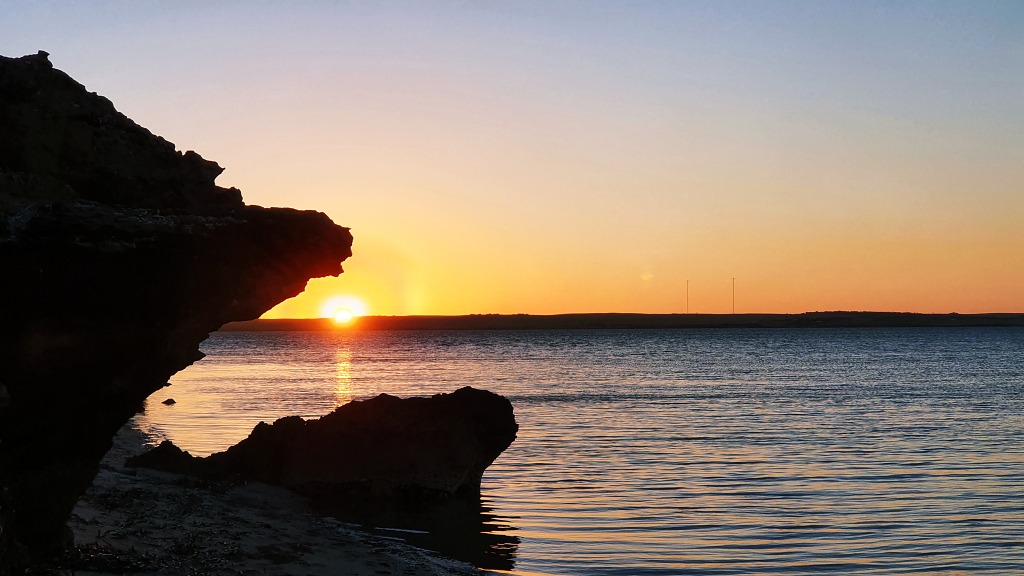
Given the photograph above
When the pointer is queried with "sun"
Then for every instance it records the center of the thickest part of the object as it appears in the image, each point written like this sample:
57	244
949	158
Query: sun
343	309
343	316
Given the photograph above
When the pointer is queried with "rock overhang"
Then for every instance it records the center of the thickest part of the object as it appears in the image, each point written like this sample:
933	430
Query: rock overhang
119	255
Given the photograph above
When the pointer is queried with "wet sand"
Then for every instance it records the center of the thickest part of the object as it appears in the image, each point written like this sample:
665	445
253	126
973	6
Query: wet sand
148	523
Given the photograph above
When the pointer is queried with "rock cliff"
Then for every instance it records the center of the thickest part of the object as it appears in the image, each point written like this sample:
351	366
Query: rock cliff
119	255
373	452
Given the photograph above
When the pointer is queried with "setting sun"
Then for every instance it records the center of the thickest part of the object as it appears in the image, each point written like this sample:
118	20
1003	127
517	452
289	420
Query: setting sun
343	308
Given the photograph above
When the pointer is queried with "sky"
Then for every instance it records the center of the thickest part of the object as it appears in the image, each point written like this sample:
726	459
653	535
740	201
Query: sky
631	156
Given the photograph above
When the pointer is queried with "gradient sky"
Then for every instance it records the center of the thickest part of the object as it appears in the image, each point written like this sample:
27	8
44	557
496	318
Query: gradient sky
547	157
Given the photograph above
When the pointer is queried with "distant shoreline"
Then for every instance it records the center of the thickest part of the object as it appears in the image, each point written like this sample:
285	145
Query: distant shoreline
613	321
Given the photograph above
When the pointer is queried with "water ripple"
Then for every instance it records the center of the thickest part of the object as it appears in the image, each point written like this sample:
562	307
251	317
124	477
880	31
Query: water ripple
894	451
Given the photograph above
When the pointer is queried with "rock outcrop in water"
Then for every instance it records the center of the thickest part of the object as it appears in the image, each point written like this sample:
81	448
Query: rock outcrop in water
381	450
119	256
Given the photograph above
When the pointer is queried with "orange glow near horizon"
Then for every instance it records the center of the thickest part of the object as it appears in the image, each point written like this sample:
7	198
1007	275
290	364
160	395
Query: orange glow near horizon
788	269
343	308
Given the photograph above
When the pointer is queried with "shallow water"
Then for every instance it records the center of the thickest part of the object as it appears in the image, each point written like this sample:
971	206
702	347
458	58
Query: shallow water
862	451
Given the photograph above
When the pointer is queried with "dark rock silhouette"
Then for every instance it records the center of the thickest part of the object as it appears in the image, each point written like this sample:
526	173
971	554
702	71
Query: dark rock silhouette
119	256
369	452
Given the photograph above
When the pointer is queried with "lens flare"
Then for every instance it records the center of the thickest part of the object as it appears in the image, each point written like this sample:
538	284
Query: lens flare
353	305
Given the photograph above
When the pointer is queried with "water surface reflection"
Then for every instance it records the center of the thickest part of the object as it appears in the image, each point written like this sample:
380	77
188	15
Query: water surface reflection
882	451
343	371
467	530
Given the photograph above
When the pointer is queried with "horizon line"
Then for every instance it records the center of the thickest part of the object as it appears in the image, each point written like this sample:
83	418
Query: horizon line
627	320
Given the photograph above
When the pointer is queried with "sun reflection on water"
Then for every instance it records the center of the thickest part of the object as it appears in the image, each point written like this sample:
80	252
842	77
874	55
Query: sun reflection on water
343	375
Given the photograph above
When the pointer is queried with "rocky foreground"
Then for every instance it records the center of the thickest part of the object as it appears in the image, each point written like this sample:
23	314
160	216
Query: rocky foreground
370	453
120	255
152	523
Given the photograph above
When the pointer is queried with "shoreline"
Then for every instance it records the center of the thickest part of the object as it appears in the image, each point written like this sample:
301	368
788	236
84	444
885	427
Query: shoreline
629	321
154	523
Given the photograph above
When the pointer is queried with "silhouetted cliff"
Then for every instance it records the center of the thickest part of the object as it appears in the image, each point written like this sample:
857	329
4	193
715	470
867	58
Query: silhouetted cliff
119	256
368	452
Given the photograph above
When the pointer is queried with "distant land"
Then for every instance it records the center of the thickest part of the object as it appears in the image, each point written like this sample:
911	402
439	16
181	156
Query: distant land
608	321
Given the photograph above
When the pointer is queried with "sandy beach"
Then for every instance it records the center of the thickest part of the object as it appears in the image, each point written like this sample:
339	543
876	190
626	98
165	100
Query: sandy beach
147	522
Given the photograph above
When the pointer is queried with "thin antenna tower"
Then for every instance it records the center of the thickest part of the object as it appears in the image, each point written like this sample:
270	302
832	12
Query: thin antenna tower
733	295
687	296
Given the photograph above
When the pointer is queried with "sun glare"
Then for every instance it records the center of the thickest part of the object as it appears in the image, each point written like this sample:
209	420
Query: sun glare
343	309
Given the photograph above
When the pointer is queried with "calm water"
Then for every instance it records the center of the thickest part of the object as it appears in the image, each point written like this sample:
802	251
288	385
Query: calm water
864	451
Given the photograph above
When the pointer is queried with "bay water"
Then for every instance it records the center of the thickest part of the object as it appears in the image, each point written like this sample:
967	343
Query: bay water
779	451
